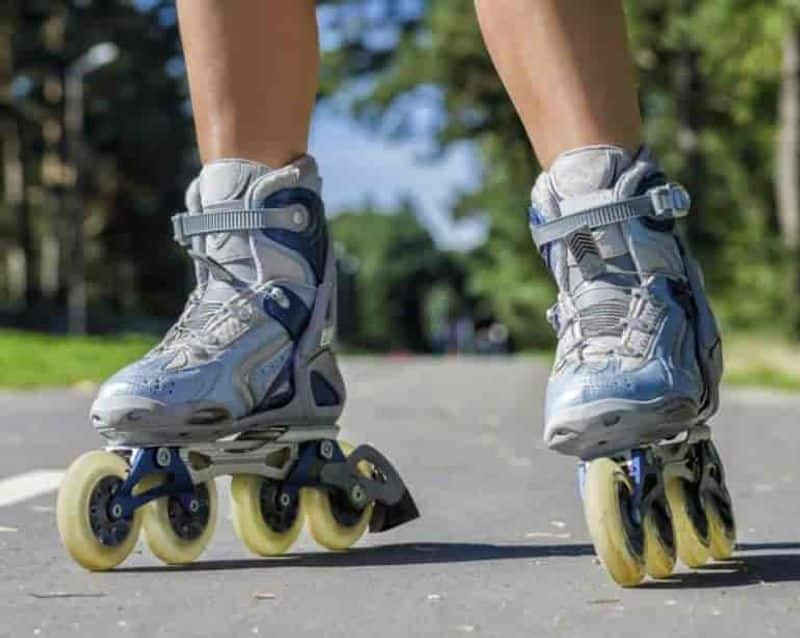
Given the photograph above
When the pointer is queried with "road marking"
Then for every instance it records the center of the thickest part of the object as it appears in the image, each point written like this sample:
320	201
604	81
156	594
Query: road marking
19	488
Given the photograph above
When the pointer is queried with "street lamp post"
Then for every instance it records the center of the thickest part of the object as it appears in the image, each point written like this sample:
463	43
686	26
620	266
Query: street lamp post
97	56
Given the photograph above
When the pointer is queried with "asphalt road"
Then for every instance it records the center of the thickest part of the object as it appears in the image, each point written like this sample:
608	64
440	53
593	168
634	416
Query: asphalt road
501	549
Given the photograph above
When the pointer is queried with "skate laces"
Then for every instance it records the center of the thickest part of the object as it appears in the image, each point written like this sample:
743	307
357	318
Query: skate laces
194	329
607	319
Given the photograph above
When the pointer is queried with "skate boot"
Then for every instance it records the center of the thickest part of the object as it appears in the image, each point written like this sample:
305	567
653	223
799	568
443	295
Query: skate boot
638	362
245	383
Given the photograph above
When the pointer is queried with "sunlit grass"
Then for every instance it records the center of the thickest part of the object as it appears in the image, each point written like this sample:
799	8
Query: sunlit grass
29	359
762	361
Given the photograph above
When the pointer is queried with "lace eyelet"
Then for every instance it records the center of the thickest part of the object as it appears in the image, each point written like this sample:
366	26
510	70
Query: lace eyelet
279	297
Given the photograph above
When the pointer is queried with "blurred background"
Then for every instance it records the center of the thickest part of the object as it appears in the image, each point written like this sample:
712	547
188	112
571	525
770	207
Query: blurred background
427	174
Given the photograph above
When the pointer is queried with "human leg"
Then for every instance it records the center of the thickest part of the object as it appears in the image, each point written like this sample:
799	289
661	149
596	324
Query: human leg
568	70
252	70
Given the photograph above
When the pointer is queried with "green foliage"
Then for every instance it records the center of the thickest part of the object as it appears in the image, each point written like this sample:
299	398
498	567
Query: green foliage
394	265
138	149
710	73
445	50
761	359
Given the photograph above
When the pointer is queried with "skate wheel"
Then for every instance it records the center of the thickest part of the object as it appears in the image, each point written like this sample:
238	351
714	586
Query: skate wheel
91	536
266	524
721	529
176	535
332	521
718	508
659	542
689	522
617	539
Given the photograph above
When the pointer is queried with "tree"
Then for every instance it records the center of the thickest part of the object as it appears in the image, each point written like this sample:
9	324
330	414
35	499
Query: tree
395	265
709	75
139	145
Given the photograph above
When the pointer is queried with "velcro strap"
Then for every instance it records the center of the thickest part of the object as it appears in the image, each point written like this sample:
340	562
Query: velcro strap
670	201
188	225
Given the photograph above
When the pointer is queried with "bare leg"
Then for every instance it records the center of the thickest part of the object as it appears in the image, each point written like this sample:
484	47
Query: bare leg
567	68
253	76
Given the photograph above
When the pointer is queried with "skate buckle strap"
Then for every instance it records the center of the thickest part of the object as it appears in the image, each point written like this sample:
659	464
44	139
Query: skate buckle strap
188	225
669	201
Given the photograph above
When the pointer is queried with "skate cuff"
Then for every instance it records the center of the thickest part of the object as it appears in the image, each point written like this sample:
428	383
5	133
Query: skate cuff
669	201
188	225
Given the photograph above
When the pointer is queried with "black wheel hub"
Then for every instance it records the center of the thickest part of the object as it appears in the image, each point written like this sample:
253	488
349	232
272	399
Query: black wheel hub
190	523
633	529
724	511
111	531
280	507
663	522
694	508
712	488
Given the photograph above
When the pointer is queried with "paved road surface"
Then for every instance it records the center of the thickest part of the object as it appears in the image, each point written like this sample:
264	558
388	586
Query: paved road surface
501	549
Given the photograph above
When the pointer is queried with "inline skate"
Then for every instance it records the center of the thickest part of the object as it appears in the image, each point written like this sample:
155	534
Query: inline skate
245	384
638	363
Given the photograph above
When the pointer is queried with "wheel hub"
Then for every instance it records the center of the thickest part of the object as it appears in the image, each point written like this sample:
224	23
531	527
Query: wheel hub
343	510
106	521
190	522
279	507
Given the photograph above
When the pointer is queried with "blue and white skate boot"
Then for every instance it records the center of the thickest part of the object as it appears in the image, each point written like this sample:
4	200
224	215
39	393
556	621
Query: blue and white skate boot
639	355
252	344
638	362
245	383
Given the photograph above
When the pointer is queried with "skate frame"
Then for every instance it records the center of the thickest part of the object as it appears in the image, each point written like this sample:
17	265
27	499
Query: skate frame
297	458
667	455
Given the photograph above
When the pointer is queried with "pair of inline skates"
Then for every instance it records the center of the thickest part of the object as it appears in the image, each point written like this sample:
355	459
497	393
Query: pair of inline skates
245	383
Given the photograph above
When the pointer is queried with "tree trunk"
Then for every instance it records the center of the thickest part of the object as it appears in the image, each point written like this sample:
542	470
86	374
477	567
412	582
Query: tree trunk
787	162
690	98
787	158
17	204
13	164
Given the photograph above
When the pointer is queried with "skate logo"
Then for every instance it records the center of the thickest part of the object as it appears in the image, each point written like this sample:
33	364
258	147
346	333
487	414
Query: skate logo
601	387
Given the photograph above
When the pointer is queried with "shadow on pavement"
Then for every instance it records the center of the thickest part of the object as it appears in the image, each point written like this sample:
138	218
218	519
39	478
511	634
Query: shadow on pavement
384	555
741	570
760	547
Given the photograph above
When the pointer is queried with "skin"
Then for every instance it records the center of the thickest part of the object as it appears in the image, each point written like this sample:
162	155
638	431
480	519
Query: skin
567	67
252	69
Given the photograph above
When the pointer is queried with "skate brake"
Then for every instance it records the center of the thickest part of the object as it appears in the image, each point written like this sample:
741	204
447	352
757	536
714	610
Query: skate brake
325	463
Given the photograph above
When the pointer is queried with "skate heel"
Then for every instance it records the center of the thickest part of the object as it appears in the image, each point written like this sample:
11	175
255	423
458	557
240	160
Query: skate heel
317	391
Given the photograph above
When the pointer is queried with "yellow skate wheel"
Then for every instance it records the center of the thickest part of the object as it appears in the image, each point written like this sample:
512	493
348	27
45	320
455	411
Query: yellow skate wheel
659	545
266	518
607	490
333	522
176	535
89	532
687	513
721	530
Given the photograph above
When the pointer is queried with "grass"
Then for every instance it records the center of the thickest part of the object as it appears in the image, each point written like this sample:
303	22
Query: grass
764	361
29	360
